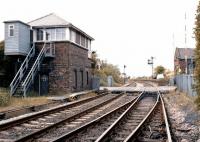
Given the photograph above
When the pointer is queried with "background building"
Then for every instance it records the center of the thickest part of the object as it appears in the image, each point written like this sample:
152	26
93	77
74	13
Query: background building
184	61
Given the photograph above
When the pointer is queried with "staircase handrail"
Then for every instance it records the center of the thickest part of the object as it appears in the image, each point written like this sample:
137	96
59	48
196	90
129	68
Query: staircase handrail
34	69
50	51
15	82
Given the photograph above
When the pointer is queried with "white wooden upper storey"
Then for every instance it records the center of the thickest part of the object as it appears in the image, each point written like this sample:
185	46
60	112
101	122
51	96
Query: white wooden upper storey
53	28
61	34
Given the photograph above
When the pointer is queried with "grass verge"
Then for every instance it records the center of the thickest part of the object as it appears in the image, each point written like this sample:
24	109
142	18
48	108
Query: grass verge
7	102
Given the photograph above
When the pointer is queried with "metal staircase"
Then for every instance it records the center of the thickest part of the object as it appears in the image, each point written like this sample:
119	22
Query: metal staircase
15	84
29	69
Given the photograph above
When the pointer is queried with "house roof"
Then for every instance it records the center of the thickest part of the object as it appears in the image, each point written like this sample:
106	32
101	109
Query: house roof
52	20
182	52
16	21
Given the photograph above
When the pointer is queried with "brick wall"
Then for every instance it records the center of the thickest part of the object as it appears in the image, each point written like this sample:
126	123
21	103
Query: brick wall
179	64
68	58
78	60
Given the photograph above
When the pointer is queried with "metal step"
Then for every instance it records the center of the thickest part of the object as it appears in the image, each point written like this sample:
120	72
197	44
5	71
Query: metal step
35	59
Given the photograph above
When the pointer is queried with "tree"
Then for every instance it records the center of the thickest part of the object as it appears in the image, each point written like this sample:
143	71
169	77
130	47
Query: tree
1	49
108	70
159	70
105	70
1	54
6	71
197	55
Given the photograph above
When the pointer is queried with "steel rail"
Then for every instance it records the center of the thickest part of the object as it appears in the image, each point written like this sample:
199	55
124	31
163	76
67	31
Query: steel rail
93	122
9	124
134	132
104	135
50	127
166	120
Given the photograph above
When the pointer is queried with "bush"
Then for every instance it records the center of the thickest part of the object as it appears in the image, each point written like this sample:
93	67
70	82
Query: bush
197	55
159	70
102	69
6	67
4	97
108	70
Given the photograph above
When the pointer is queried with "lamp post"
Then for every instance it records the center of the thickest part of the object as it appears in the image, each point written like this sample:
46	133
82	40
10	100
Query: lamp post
186	64
150	62
124	74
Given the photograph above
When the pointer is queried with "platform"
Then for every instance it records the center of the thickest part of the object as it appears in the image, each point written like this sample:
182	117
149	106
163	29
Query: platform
72	95
162	89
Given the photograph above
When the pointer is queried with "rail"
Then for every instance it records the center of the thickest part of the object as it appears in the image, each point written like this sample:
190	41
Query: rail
18	77
20	120
104	135
56	124
136	130
35	68
93	122
166	120
142	122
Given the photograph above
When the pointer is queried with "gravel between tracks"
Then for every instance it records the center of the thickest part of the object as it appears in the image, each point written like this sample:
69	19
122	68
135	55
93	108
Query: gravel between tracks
97	113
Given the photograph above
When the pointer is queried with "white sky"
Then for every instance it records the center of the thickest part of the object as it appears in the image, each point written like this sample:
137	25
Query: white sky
125	31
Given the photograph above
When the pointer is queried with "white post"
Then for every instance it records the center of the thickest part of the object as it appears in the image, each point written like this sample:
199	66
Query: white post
20	75
186	66
51	48
33	49
39	85
32	77
44	35
24	92
11	90
38	66
26	63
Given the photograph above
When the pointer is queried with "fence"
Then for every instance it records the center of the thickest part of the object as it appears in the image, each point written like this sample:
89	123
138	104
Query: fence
185	83
95	83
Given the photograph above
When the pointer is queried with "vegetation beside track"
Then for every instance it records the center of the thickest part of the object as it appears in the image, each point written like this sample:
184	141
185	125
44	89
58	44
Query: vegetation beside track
197	56
184	116
102	69
7	102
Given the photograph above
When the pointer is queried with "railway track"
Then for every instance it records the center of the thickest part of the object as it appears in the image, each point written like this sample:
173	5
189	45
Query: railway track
17	129
81	120
155	126
17	111
143	119
18	120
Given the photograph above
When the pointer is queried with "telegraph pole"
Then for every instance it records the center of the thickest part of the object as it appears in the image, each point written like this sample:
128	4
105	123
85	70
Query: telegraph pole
150	62
124	74
185	30
186	52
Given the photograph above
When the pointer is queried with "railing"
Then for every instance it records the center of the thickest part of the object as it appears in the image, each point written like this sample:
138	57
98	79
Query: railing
50	51
35	68
18	77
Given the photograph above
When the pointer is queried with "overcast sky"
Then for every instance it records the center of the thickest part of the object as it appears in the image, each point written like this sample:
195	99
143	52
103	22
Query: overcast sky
125	31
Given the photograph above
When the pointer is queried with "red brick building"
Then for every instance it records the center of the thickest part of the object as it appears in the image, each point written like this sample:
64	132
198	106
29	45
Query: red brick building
184	61
55	55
